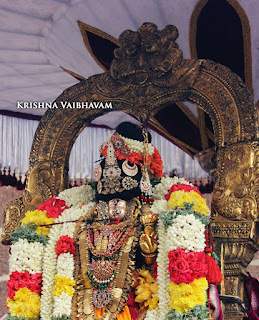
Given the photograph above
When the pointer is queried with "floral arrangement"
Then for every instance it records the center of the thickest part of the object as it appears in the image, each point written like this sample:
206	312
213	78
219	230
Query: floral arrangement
160	190
182	262
146	289
42	257
132	150
41	282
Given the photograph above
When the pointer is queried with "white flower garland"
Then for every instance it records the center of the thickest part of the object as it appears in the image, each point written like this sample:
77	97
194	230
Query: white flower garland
133	145
48	275
65	265
152	314
161	189
163	276
75	197
62	305
187	233
52	268
26	256
160	206
138	146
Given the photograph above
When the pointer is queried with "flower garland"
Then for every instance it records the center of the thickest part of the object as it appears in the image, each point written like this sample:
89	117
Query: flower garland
146	288
57	290
132	150
24	285
42	254
181	263
160	190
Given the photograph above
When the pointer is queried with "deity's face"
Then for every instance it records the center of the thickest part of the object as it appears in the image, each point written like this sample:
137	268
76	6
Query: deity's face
117	209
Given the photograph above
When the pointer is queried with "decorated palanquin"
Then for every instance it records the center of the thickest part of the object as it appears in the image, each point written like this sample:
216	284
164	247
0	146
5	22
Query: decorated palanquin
132	245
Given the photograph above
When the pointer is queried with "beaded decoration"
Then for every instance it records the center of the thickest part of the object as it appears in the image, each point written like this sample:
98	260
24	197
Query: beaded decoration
145	184
97	172
119	144
102	211
129	170
128	183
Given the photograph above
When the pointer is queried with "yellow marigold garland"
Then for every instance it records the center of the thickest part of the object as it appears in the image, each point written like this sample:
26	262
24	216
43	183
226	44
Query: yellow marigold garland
26	304
184	297
178	198
63	284
38	217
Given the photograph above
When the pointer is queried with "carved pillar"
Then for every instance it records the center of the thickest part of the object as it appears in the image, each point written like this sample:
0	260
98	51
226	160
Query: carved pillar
235	218
236	249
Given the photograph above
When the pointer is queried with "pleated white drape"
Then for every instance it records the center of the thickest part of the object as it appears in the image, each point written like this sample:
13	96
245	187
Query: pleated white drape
16	136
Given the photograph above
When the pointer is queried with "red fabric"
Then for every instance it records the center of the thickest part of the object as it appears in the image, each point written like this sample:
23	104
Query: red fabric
54	207
155	271
253	292
186	267
133	306
20	280
183	187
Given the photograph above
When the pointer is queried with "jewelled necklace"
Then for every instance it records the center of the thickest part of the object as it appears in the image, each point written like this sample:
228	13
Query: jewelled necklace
102	269
113	243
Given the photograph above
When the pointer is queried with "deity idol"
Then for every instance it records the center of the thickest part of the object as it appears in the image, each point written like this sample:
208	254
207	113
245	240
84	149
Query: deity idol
134	245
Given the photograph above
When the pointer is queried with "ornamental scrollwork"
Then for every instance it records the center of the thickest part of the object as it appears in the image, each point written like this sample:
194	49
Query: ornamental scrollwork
237	183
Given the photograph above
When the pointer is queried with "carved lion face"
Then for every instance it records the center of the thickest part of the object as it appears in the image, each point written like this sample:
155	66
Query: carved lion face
145	50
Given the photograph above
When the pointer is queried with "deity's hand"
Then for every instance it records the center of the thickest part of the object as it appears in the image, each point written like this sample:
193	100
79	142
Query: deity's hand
148	241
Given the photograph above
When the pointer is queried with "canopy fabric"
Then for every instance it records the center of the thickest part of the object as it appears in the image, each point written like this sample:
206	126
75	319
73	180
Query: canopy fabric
16	136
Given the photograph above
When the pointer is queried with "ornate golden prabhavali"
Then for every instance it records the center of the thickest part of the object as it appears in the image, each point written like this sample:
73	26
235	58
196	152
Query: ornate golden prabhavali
148	72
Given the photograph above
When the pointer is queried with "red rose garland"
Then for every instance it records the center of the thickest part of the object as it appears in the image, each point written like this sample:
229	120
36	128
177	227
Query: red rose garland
65	244
186	267
54	207
20	280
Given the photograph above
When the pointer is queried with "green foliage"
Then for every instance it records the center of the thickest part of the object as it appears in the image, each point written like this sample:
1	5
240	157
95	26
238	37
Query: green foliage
168	217
28	232
63	317
197	313
9	317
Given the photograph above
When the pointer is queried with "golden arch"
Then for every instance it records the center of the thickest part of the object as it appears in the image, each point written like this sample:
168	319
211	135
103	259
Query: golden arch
141	85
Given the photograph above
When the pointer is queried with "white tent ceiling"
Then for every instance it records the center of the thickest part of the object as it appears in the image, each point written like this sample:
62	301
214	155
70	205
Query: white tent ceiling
39	36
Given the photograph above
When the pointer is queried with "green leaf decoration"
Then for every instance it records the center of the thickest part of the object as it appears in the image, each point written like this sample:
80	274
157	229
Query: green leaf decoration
168	217
9	317
63	317
28	232
199	312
